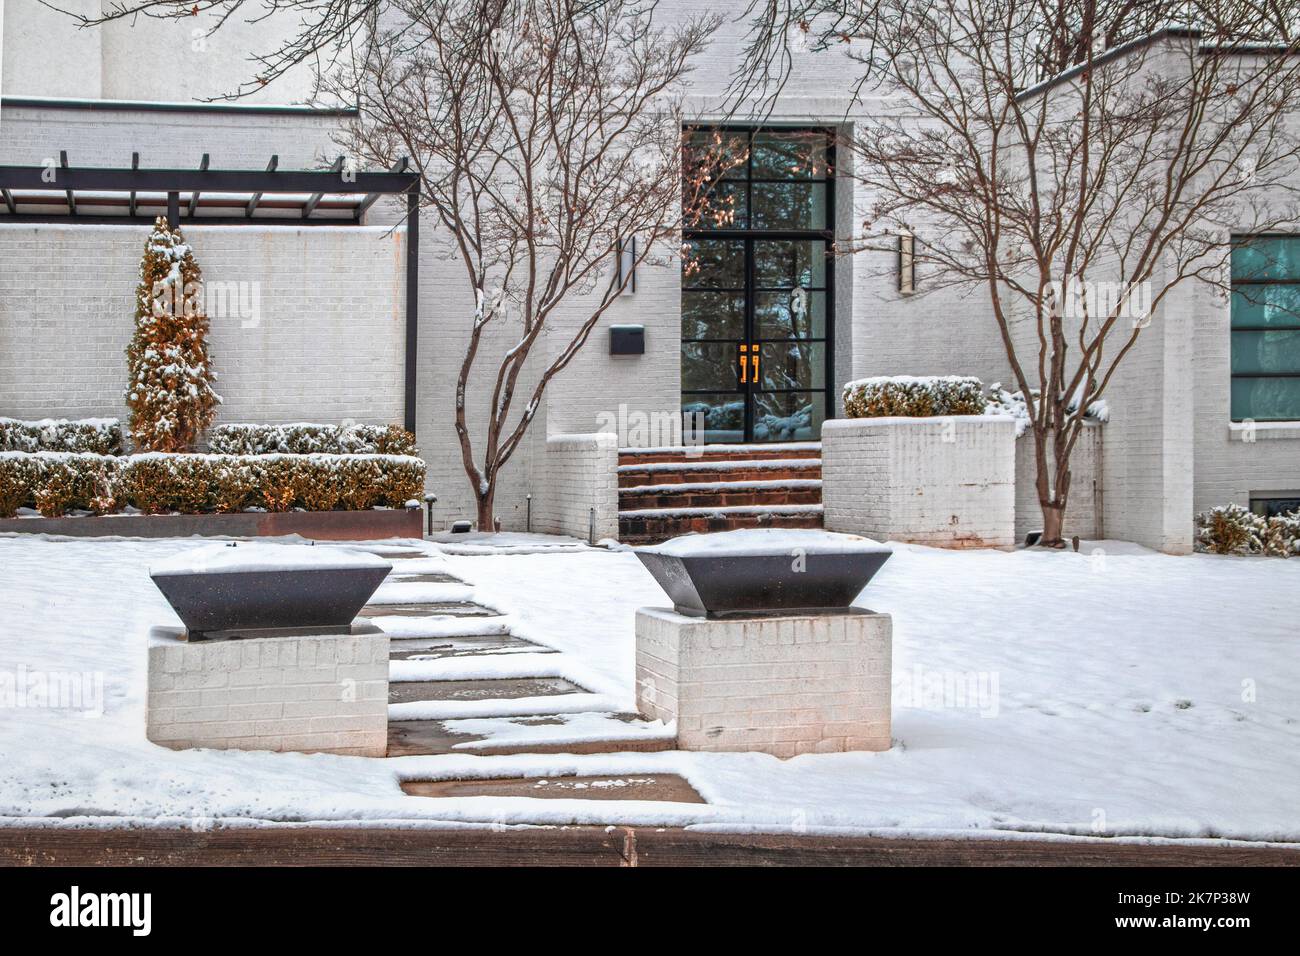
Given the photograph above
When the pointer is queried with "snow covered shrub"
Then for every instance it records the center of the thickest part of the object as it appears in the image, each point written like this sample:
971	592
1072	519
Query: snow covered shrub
67	480
100	435
18	474
1282	537
1003	402
911	396
169	381
307	438
1230	529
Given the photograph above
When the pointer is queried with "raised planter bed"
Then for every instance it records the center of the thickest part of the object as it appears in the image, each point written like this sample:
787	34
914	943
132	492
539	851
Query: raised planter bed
320	525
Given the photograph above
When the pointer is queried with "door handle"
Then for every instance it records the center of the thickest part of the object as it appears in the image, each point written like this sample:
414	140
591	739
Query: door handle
745	358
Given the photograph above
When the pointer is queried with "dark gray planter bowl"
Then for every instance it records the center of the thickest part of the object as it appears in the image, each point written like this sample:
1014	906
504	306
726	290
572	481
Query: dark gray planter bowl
720	585
324	600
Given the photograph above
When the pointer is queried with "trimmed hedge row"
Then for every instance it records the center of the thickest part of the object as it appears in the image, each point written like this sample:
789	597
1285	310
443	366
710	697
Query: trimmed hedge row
55	483
914	397
1232	529
307	438
102	436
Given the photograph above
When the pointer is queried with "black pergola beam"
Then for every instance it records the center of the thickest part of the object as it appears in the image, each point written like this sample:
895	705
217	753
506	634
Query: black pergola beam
209	180
9	201
310	205
36	218
371	198
194	196
72	200
257	197
412	303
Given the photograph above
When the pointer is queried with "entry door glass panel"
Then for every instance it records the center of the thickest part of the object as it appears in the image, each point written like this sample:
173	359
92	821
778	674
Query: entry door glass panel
757	292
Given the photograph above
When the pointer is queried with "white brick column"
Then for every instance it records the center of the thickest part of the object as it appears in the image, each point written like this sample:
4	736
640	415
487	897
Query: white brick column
322	693
783	685
947	482
581	473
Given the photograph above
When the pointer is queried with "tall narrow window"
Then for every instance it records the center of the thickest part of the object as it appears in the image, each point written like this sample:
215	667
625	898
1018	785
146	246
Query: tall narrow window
1266	328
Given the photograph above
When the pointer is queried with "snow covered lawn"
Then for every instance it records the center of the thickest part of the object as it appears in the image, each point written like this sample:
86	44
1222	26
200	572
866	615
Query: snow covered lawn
1113	693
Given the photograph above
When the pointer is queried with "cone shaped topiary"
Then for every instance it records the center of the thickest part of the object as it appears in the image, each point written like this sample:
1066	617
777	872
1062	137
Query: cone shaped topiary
170	374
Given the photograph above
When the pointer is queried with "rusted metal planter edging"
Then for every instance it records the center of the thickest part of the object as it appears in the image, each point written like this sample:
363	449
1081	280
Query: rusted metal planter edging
320	525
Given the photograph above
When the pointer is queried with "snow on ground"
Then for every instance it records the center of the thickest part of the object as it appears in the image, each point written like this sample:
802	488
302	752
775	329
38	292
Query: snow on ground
1114	692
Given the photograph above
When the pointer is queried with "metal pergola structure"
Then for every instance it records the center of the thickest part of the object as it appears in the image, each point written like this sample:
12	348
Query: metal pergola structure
336	196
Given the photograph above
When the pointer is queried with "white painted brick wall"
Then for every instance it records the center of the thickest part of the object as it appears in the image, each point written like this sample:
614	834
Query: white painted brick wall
581	474
947	482
324	693
779	685
327	342
1085	499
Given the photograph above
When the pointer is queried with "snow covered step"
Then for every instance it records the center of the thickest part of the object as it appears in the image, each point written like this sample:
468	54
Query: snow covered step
791	491
436	577
494	689
627	456
574	733
437	648
659	787
713	472
400	628
376	612
659	524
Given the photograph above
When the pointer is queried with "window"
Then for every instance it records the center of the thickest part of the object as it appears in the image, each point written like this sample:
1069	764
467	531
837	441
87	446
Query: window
1266	328
1271	504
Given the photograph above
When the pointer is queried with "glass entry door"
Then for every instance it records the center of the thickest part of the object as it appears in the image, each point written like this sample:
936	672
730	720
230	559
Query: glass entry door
756	295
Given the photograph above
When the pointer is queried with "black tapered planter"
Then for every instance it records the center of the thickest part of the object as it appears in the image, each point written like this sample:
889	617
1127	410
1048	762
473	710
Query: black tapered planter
319	589
759	571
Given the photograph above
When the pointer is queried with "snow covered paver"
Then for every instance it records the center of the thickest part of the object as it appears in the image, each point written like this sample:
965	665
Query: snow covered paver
1134	694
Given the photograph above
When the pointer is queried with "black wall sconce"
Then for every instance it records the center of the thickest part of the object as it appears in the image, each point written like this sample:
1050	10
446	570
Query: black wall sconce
906	261
627	264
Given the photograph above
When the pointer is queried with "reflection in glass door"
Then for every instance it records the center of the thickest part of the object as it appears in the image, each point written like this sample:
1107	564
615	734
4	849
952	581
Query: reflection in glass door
757	293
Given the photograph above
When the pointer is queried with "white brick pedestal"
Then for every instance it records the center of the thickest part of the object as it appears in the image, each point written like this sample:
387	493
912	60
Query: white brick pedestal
312	694
947	482
782	685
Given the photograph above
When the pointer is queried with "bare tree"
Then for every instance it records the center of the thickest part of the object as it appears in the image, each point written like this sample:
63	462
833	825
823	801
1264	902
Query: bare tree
547	137
326	31
1077	204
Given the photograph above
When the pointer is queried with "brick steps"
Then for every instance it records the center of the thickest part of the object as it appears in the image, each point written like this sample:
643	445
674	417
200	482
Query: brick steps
652	526
728	495
638	456
664	493
698	472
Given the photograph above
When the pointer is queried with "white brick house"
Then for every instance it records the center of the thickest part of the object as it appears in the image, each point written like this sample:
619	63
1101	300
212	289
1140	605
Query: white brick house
329	343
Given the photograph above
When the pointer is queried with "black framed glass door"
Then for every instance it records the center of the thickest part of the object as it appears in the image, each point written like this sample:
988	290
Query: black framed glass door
757	292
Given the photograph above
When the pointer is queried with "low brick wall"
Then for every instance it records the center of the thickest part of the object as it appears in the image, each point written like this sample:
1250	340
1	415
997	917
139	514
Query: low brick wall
948	482
317	693
782	685
581	473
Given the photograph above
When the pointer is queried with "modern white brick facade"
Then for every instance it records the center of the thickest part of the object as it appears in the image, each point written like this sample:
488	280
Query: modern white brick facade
948	481
334	304
783	685
323	693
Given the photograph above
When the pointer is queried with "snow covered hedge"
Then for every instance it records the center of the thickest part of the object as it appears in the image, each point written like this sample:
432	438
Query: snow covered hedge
911	396
1003	402
154	482
308	438
1232	529
100	435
